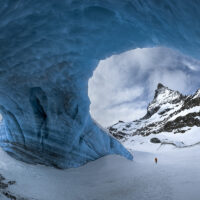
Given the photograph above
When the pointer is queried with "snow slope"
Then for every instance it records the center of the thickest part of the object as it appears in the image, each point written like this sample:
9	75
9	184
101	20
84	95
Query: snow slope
169	141
175	177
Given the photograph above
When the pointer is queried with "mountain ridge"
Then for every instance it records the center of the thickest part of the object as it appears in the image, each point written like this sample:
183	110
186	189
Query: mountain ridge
169	111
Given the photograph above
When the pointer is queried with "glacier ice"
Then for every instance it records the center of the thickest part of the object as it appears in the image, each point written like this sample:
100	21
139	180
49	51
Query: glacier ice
49	50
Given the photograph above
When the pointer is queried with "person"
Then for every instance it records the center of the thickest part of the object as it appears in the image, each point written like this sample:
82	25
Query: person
156	160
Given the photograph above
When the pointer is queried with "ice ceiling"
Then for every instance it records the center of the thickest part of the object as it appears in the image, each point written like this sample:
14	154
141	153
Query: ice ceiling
49	50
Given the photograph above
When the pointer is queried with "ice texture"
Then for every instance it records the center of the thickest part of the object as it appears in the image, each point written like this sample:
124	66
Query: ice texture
49	50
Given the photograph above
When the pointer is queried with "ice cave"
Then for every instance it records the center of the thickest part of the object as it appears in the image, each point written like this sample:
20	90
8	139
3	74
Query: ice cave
49	50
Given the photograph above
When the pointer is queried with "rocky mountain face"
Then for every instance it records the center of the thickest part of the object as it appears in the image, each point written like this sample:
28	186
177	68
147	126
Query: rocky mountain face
170	111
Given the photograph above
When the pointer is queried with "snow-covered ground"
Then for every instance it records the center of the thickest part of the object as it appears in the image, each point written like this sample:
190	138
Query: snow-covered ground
179	140
175	177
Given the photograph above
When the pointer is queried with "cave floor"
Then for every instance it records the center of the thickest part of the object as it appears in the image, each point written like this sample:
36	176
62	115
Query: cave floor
176	176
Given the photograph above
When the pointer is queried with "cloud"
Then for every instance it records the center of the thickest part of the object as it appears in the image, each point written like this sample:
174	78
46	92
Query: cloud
123	85
174	79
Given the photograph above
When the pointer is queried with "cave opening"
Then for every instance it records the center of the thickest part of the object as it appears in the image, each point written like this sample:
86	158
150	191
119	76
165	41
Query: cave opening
123	85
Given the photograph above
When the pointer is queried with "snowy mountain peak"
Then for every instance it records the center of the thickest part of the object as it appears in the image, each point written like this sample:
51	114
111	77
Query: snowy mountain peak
161	89
169	111
163	95
160	86
162	92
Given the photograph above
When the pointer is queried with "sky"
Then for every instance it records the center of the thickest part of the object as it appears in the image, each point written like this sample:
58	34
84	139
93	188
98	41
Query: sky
123	85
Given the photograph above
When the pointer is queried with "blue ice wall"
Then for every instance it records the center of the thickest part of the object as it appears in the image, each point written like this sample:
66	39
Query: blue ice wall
48	51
